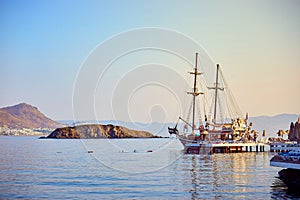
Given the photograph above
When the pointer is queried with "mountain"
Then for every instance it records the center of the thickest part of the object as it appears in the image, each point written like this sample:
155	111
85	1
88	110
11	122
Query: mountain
272	124
25	116
98	131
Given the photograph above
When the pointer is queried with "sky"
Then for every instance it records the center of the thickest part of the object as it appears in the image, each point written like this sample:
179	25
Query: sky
45	44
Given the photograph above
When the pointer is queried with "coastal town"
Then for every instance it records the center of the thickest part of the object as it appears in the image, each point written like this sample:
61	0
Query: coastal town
9	131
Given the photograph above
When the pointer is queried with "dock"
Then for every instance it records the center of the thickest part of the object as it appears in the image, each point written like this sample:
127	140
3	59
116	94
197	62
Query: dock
225	147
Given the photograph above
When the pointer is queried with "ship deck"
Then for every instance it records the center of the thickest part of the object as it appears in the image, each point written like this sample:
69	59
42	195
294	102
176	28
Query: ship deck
284	147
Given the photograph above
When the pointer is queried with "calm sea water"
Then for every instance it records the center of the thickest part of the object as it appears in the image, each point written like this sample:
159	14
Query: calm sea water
31	168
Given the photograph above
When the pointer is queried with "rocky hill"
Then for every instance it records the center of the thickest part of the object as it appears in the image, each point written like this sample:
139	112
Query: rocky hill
294	134
25	116
98	131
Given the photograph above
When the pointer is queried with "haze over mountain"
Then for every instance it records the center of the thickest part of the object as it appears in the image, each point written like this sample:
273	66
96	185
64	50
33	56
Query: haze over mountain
273	123
25	116
269	123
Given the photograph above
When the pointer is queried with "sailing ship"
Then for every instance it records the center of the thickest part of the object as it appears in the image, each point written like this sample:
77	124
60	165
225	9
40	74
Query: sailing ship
215	135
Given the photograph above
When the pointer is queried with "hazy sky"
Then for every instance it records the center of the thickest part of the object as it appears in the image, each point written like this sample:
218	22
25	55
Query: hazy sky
44	43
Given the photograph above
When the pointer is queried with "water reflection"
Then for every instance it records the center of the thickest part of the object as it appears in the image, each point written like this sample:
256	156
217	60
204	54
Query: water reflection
194	178
237	176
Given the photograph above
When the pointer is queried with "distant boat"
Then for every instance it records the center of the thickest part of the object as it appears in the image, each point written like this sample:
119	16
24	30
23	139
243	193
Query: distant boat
215	135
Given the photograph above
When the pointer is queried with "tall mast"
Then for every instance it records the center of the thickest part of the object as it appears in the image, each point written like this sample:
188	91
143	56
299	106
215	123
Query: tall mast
195	91
216	93
216	88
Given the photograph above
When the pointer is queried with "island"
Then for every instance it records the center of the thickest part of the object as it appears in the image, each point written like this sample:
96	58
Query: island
90	131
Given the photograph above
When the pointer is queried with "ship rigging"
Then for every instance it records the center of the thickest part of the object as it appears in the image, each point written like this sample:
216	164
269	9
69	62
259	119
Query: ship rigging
216	128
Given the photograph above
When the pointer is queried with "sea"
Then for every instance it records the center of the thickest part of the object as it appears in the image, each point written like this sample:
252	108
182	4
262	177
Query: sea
32	168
